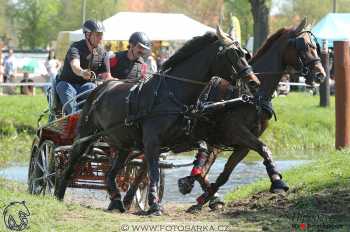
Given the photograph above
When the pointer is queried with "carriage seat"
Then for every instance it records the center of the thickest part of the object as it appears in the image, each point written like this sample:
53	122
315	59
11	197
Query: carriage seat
55	105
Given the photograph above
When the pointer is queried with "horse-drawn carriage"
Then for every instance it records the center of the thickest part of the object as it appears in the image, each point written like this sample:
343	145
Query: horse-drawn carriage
50	154
167	118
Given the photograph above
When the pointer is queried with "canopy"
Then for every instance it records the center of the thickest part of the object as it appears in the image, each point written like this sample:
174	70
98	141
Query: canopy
158	26
333	27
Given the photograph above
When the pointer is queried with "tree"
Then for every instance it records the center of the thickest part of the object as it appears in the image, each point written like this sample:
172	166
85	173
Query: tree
260	11
33	21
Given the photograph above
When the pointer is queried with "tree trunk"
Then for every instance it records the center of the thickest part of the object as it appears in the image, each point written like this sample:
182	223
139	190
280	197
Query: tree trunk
260	13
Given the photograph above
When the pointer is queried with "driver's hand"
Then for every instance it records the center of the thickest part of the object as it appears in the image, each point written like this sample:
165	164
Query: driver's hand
86	74
106	76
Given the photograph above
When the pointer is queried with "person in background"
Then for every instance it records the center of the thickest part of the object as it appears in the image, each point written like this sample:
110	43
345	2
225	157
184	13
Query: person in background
52	65
1	76
129	63
83	58
10	65
108	48
28	89
151	62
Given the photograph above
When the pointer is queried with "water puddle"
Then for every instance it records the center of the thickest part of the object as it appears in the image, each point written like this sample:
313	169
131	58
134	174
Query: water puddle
244	173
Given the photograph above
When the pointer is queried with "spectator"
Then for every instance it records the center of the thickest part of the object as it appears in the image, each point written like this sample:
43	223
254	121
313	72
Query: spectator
10	65
52	66
10	90
28	89
108	48
151	62
1	76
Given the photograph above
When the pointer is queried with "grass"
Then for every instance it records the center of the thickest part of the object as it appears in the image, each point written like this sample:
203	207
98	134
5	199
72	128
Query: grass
19	114
48	214
319	196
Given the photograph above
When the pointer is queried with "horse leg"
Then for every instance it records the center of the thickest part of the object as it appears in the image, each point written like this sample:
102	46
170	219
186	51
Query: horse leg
252	142
152	152
236	157
200	168
118	164
63	180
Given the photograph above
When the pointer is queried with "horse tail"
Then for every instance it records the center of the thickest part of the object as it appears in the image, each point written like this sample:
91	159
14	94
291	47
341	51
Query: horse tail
86	125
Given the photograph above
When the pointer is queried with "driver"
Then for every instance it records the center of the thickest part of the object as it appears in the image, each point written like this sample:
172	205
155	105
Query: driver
82	57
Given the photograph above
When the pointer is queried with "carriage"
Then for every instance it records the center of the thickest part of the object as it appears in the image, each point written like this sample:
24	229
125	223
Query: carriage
51	149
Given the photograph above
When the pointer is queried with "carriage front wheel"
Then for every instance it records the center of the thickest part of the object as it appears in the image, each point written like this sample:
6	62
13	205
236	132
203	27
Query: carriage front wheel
41	174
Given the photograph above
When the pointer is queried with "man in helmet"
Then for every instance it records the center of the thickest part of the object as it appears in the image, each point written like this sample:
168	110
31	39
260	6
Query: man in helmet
130	63
83	58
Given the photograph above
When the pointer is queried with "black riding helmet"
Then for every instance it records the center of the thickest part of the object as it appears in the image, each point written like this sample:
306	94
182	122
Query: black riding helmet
140	38
92	26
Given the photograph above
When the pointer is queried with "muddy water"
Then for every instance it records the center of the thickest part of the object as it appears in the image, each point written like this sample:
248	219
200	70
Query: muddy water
244	173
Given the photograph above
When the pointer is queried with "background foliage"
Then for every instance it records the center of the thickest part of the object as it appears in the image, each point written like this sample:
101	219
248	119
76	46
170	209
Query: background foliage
34	23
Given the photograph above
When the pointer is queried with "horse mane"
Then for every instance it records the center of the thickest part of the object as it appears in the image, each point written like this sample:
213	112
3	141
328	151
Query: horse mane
268	43
190	47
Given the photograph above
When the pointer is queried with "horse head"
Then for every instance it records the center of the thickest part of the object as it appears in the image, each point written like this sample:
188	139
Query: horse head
303	53
231	61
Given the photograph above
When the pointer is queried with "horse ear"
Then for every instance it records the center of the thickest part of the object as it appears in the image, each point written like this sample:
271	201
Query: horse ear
222	36
301	25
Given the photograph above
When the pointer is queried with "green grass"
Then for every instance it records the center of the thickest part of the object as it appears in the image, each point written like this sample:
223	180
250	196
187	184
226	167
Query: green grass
319	194
302	125
19	114
48	214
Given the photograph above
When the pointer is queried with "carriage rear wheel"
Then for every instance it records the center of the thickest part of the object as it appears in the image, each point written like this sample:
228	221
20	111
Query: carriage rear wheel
141	196
41	176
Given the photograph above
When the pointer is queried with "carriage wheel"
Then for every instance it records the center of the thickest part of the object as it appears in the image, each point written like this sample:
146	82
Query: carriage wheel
41	176
141	196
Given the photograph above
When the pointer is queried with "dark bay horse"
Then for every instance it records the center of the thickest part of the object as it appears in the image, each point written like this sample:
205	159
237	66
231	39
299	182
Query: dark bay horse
162	100
240	128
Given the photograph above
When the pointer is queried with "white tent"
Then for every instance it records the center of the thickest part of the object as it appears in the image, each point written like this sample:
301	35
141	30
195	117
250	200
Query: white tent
158	26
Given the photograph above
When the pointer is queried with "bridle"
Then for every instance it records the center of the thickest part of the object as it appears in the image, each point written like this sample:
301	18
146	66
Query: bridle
239	52
303	66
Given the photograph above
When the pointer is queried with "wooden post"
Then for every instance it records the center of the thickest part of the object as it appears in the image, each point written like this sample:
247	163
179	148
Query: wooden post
342	93
324	86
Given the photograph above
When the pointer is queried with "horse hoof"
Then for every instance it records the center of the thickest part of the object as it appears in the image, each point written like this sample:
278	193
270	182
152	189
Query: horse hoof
194	209
127	204
216	203
116	204
186	184
279	186
60	190
155	210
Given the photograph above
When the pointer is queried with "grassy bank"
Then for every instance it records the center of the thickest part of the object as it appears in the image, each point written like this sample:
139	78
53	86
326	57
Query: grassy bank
301	127
319	197
18	122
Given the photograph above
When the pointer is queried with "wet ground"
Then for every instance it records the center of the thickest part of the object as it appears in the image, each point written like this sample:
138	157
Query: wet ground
245	173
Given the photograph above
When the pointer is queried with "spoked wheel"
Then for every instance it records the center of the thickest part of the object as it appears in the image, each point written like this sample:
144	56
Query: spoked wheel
141	196
41	176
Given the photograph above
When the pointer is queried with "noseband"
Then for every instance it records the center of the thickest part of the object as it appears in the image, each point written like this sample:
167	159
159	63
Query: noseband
304	67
